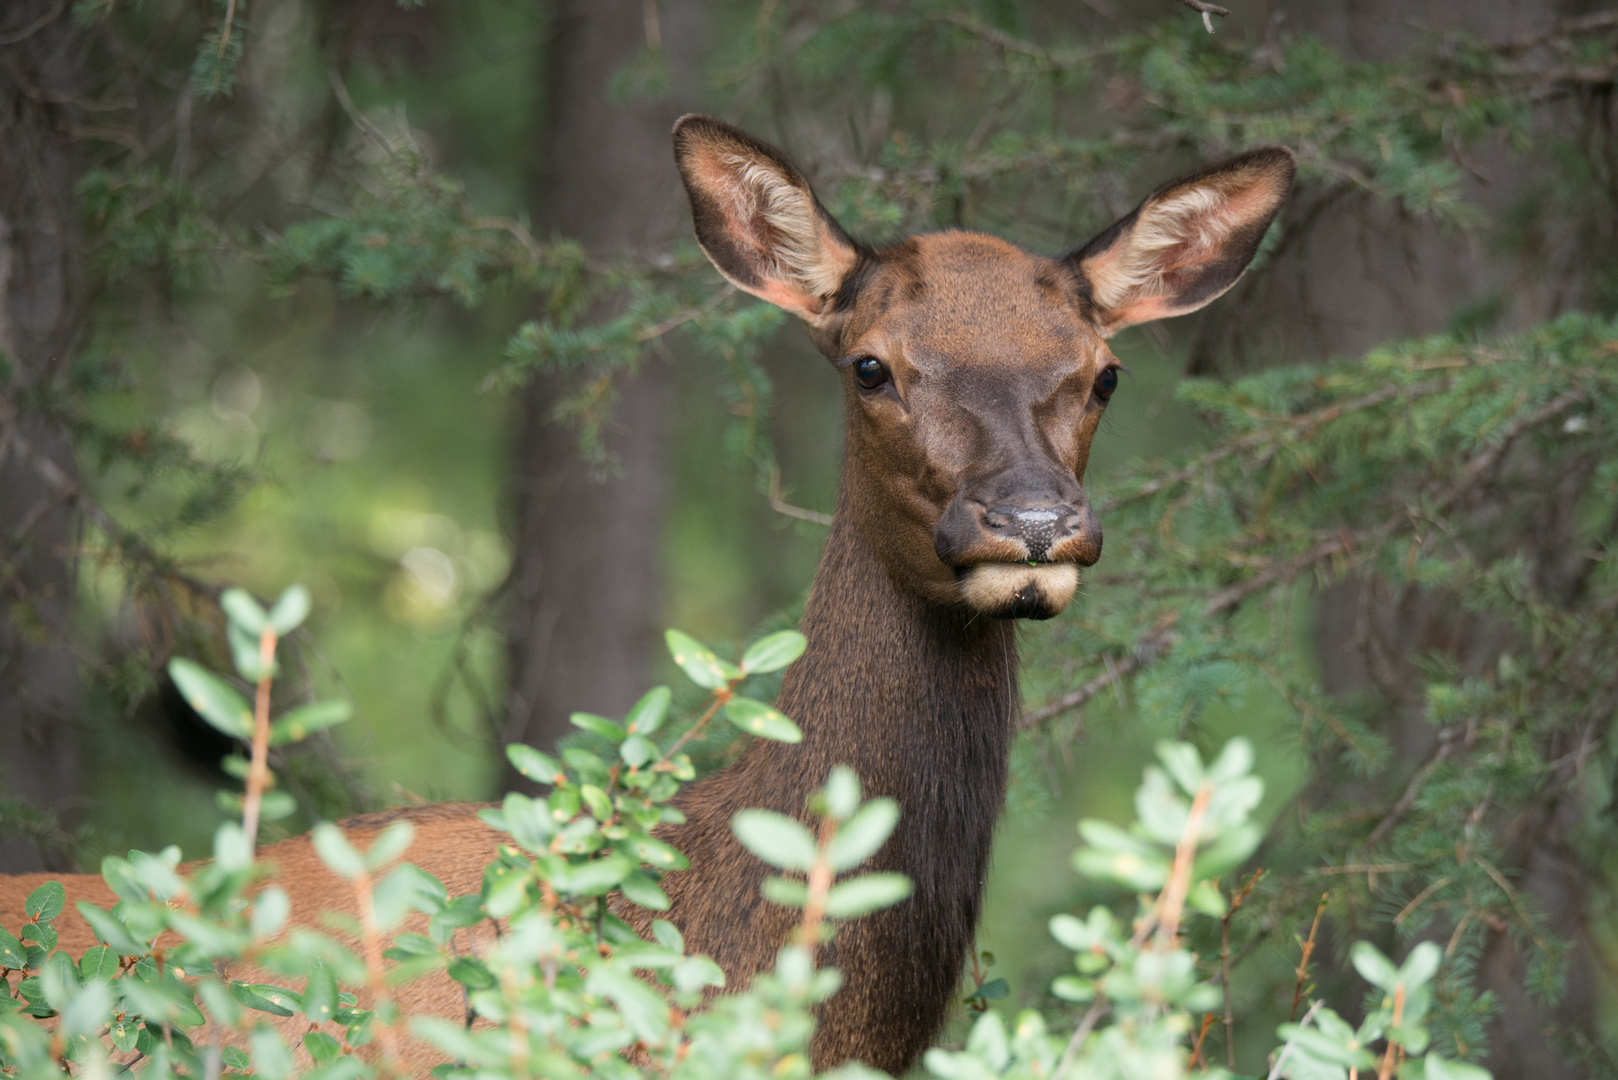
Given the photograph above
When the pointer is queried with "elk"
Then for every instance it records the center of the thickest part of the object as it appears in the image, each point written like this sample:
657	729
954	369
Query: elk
974	374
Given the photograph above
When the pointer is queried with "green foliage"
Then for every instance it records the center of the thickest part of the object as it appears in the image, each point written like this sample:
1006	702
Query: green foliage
564	986
1378	468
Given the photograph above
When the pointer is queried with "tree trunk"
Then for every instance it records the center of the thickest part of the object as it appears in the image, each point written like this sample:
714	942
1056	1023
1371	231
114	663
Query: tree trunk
39	322
586	583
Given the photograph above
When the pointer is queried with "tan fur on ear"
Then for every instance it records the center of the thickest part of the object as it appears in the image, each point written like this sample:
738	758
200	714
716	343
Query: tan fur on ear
757	219
1187	243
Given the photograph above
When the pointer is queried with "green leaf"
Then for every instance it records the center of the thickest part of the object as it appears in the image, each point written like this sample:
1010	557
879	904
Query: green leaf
1375	968
993	990
863	895
241	609
124	1033
647	714
471	973
1109	837
270	910
290	611
695	972
1132	871
642	1008
598	725
322	1047
638	888
1183	763
637	750
759	719
533	764
247	654
842	792
213	699
276	805
773	652
269	999
1234	762
98	962
785	891
320	995
11	952
661	855
598	802
1073	988
305	720
700	666
595	877
863	834
111	931
336	852
271	1058
1420	965
777	839
1437	1068
390	843
46	902
41	933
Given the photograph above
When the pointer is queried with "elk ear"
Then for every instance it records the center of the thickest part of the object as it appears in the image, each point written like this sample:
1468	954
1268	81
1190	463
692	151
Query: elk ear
758	221
1187	243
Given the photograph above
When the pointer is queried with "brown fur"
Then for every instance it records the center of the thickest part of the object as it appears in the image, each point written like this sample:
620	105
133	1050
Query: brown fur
993	354
985	425
450	842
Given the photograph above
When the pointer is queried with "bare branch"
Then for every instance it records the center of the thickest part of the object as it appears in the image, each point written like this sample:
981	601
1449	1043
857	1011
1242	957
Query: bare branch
1153	644
1207	11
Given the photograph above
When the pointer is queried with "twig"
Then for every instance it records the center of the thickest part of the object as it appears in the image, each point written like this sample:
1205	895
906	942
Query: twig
1281	1058
781	506
1196	1050
1153	644
1385	1070
36	26
224	33
1300	426
1303	961
1082	1032
1007	43
819	887
1172	903
372	939
720	696
358	117
1583	24
259	773
1224	967
1207	11
1413	789
1416	902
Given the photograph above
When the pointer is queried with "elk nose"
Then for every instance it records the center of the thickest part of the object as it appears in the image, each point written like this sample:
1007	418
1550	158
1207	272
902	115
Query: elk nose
1039	527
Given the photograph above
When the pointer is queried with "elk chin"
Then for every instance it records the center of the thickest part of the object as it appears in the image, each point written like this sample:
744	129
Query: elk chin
1020	590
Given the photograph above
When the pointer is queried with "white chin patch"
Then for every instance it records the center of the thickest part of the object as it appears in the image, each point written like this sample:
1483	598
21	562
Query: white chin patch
1020	591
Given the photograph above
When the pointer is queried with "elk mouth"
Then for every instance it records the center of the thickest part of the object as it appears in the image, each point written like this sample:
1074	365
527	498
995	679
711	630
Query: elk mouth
1019	590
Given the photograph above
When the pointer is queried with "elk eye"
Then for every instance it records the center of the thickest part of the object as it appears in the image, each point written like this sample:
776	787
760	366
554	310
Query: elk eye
870	372
1106	383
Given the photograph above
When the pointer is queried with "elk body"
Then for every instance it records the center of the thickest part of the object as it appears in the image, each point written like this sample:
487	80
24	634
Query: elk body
975	374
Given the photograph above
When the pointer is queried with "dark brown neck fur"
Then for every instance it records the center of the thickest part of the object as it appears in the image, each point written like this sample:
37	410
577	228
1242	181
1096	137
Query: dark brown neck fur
919	699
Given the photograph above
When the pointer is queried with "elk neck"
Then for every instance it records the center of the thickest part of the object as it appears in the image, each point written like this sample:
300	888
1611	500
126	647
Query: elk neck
919	699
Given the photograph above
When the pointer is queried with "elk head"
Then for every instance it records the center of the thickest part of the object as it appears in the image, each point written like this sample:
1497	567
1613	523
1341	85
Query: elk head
975	372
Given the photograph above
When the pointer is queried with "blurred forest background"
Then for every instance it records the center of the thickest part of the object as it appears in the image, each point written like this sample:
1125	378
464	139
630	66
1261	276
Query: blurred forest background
399	300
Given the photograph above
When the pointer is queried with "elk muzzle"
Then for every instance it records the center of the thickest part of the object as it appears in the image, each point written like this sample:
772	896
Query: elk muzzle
1018	559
